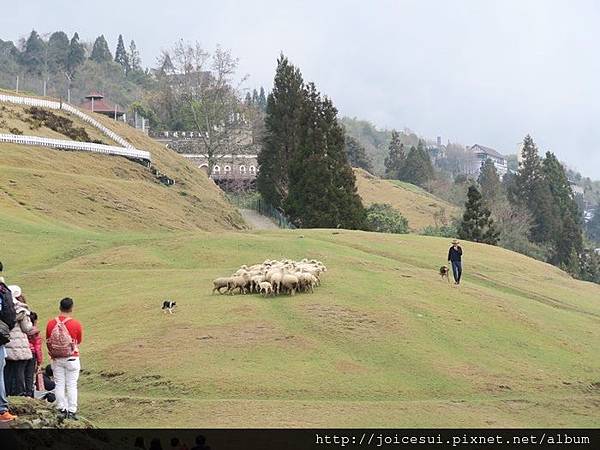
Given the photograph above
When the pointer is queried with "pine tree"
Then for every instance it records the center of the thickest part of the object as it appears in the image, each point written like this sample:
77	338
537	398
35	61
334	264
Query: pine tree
34	54
248	99
567	234
255	97
357	155
58	52
121	56
417	168
100	51
165	65
135	62
76	54
394	162
490	183
262	99
532	190
528	174
282	128
476	224
322	186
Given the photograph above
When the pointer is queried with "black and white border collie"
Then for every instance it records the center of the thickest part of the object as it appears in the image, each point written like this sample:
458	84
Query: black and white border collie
168	306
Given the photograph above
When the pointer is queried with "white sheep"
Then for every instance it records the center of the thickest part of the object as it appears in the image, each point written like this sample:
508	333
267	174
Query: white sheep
265	288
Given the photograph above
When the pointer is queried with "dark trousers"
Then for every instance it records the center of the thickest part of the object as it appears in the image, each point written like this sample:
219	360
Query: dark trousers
14	377
456	270
30	369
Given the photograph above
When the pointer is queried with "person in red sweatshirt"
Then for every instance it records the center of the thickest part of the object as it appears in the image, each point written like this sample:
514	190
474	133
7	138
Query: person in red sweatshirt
66	368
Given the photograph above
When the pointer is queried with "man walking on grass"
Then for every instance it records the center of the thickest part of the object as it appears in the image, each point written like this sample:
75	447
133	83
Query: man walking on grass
454	259
63	336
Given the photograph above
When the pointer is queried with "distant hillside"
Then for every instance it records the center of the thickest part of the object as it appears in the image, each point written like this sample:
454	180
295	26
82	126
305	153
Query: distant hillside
105	192
421	208
375	140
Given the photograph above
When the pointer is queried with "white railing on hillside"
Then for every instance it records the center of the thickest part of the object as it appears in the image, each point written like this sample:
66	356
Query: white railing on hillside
61	105
74	145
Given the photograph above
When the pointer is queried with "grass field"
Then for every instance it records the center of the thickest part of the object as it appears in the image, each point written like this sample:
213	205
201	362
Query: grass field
417	205
383	342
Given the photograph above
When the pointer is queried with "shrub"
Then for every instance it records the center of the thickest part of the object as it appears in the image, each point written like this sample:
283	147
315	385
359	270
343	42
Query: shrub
381	217
441	231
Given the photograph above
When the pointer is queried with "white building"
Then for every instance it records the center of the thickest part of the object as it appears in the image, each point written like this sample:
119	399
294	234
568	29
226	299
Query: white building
481	154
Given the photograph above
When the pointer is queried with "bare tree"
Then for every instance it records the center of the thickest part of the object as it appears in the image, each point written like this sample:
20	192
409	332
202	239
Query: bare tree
205	84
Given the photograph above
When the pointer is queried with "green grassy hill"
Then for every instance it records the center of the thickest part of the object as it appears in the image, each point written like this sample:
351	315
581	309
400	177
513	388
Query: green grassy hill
417	205
106	192
383	341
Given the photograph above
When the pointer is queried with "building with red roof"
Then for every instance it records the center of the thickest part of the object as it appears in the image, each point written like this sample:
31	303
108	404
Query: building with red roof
97	103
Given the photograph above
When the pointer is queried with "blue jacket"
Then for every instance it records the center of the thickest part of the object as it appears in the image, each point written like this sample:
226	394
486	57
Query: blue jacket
454	254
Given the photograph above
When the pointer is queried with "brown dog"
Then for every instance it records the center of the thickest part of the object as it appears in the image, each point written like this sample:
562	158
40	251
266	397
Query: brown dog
445	273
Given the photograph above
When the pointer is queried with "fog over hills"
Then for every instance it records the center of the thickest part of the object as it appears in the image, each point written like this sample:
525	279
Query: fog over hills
469	71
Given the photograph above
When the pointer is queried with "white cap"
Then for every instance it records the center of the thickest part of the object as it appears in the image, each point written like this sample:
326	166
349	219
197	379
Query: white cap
16	291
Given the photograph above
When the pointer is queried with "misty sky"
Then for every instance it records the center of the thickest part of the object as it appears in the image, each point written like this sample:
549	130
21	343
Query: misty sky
477	71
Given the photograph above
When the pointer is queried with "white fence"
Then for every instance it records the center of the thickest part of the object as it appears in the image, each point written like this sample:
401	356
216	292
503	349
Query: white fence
61	105
74	145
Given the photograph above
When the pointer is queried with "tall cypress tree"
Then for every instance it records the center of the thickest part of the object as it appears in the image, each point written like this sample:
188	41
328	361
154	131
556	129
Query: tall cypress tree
489	181
395	160
567	235
322	189
34	54
532	190
282	128
262	99
121	56
476	224
100	51
417	168
76	54
135	62
58	51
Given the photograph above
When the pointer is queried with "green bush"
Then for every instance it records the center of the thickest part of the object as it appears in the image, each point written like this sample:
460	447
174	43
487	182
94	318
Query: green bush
381	217
443	231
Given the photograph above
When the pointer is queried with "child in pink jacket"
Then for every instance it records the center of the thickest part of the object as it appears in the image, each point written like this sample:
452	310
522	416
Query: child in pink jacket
35	344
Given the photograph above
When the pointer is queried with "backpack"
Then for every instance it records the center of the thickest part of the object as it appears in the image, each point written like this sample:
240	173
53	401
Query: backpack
60	343
8	315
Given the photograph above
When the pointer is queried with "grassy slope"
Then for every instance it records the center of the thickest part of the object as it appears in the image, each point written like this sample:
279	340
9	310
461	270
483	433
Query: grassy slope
383	342
417	205
99	192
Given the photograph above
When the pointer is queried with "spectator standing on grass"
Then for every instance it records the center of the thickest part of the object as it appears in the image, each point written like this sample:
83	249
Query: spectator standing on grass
35	345
17	350
455	259
7	321
64	334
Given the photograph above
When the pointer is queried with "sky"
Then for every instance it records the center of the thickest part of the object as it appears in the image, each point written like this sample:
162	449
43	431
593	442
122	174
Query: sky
470	71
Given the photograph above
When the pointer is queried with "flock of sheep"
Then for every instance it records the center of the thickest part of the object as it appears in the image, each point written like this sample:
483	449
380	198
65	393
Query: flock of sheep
273	277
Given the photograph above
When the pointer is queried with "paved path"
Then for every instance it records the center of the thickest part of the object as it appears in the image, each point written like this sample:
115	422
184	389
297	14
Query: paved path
257	221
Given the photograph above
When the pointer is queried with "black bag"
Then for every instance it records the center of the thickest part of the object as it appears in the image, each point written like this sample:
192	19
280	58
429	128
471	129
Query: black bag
4	333
8	315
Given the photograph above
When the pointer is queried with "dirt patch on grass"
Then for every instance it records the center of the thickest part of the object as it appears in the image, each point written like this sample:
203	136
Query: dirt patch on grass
350	367
340	319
